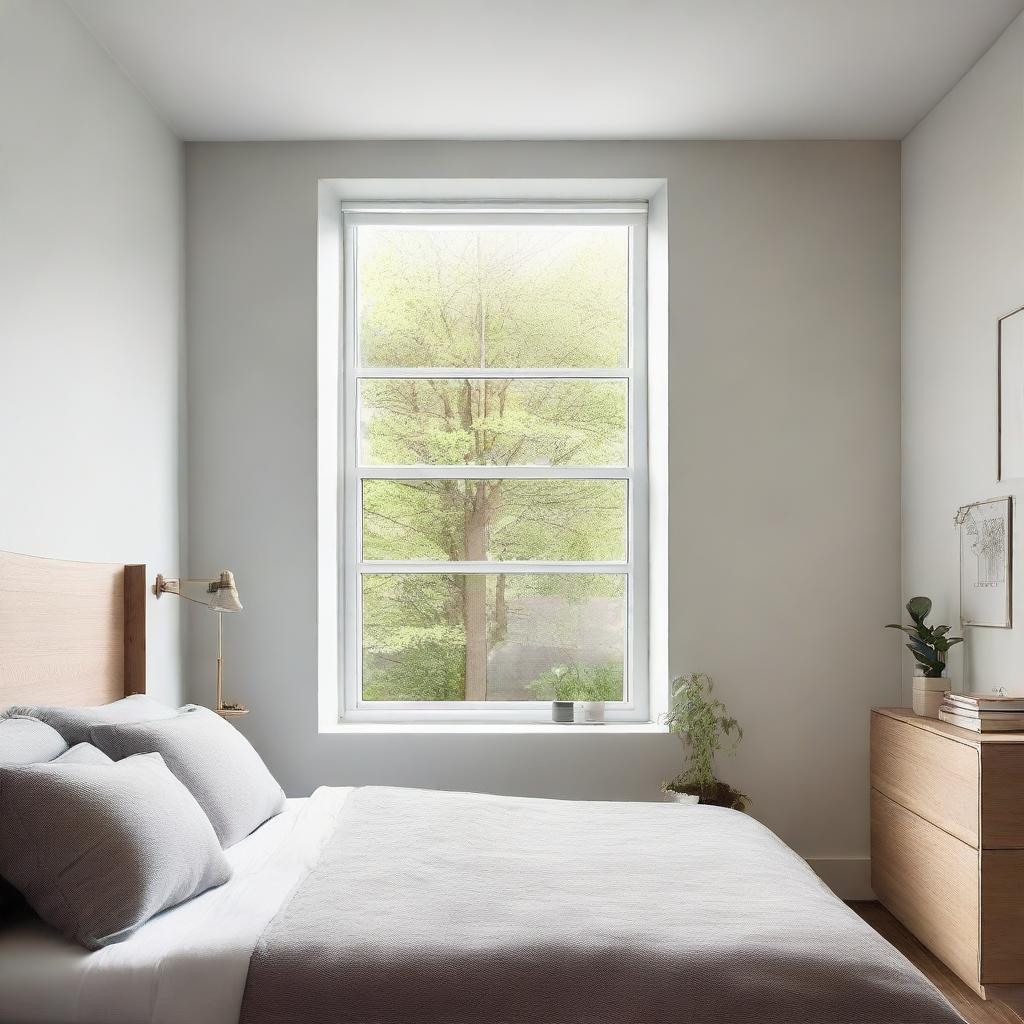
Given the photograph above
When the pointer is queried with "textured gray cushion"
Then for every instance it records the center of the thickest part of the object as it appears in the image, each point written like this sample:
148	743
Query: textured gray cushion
99	849
74	723
215	762
27	740
83	753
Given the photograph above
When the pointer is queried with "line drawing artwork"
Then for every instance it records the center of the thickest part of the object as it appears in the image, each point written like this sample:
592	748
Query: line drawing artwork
985	541
988	542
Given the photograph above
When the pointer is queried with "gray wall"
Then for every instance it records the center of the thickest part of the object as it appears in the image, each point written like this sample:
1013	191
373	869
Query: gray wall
784	463
963	268
91	342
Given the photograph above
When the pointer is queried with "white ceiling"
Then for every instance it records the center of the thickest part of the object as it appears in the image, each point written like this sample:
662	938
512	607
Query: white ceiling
545	69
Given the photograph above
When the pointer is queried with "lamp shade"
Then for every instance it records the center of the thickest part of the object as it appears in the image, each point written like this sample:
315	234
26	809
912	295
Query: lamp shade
224	595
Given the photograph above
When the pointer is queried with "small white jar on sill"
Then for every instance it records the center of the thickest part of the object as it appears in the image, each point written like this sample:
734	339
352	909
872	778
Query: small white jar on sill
588	712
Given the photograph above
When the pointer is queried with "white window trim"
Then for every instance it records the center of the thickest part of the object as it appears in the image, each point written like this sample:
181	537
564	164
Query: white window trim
647	628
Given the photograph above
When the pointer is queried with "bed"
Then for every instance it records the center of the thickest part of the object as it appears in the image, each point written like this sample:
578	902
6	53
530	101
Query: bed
379	906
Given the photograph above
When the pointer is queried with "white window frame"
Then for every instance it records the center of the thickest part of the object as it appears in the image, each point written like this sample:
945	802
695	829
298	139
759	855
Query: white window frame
635	567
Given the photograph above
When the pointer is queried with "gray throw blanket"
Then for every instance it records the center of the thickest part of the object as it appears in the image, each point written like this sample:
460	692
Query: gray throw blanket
459	908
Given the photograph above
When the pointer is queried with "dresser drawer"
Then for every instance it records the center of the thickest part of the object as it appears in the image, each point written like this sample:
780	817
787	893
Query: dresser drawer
1002	917
929	880
935	777
1002	796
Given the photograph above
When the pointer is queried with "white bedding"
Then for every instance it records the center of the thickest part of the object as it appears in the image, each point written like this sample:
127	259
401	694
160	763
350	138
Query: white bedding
186	966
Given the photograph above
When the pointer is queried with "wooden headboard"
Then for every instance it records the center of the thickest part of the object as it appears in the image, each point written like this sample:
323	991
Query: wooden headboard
70	632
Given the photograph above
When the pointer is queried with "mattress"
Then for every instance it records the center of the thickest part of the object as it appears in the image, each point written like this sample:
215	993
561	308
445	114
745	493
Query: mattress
187	965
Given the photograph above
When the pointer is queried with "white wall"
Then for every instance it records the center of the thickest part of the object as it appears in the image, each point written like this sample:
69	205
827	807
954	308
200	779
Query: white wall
91	343
784	460
963	268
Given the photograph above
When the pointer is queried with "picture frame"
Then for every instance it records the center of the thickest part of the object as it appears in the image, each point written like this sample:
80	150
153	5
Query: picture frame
986	563
1010	396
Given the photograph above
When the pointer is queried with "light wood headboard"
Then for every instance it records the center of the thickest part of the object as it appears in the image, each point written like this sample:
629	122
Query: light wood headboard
70	632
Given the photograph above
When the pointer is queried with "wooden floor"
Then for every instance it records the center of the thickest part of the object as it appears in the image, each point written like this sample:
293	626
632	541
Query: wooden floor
971	1007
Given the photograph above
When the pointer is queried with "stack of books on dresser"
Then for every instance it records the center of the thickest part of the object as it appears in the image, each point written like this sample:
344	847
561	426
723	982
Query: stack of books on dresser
983	712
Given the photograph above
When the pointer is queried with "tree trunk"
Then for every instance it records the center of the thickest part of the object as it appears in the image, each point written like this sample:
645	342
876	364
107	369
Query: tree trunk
474	592
499	630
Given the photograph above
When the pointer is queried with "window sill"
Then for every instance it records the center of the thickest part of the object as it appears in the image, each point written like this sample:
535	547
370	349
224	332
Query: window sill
506	728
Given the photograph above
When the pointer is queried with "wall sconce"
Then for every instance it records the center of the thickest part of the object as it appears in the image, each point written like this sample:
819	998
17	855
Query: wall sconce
219	595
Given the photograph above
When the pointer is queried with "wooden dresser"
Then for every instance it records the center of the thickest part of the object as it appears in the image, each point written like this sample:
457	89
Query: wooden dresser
947	843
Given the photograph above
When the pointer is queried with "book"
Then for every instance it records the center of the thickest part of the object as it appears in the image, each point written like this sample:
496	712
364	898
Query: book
985	716
986	702
981	724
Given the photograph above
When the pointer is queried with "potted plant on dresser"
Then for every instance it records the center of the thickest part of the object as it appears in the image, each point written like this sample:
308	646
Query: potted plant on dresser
703	724
929	645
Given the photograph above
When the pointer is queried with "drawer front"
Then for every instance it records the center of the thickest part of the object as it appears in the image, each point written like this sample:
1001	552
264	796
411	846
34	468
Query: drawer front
1002	796
1002	917
934	776
929	881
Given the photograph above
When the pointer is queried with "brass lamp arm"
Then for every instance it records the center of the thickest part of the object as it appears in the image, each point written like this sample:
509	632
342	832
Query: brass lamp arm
173	585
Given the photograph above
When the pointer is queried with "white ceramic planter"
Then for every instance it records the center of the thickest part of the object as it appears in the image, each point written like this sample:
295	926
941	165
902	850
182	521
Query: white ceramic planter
671	796
928	694
588	712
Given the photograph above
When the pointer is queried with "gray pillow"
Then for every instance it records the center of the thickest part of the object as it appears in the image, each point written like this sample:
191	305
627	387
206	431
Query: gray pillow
216	763
82	753
27	740
97	850
74	723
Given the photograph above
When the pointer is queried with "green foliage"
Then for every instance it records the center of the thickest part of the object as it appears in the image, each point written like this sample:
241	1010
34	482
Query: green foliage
576	520
928	644
579	682
703	724
494	422
489	298
492	297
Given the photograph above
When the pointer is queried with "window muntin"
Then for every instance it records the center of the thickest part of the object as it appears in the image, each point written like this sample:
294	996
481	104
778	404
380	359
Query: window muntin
495	462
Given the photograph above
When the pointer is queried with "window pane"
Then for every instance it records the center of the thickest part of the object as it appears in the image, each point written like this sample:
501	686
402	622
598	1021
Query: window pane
503	520
495	636
533	297
536	422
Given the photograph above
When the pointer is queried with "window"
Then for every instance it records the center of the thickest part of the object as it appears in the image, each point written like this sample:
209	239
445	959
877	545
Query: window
494	460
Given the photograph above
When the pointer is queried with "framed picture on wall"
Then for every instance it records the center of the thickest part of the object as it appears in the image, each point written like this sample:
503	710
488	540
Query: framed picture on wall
986	540
1011	396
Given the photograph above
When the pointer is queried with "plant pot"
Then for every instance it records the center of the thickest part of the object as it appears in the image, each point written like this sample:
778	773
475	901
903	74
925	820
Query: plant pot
719	794
588	712
671	796
928	694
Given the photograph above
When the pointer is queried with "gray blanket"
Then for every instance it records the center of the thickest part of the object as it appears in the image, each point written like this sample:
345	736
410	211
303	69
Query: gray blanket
457	908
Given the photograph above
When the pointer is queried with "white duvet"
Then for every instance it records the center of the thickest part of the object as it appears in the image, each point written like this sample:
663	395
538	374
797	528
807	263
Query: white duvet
186	966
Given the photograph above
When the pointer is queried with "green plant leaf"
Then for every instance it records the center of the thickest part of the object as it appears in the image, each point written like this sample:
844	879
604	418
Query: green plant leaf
926	651
924	658
909	630
918	608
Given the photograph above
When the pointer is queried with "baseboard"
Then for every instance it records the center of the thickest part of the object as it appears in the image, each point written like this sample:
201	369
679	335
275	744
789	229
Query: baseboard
848	877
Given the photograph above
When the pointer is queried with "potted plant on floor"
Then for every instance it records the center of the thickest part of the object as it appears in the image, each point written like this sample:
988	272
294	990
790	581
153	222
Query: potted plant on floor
929	645
703	724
